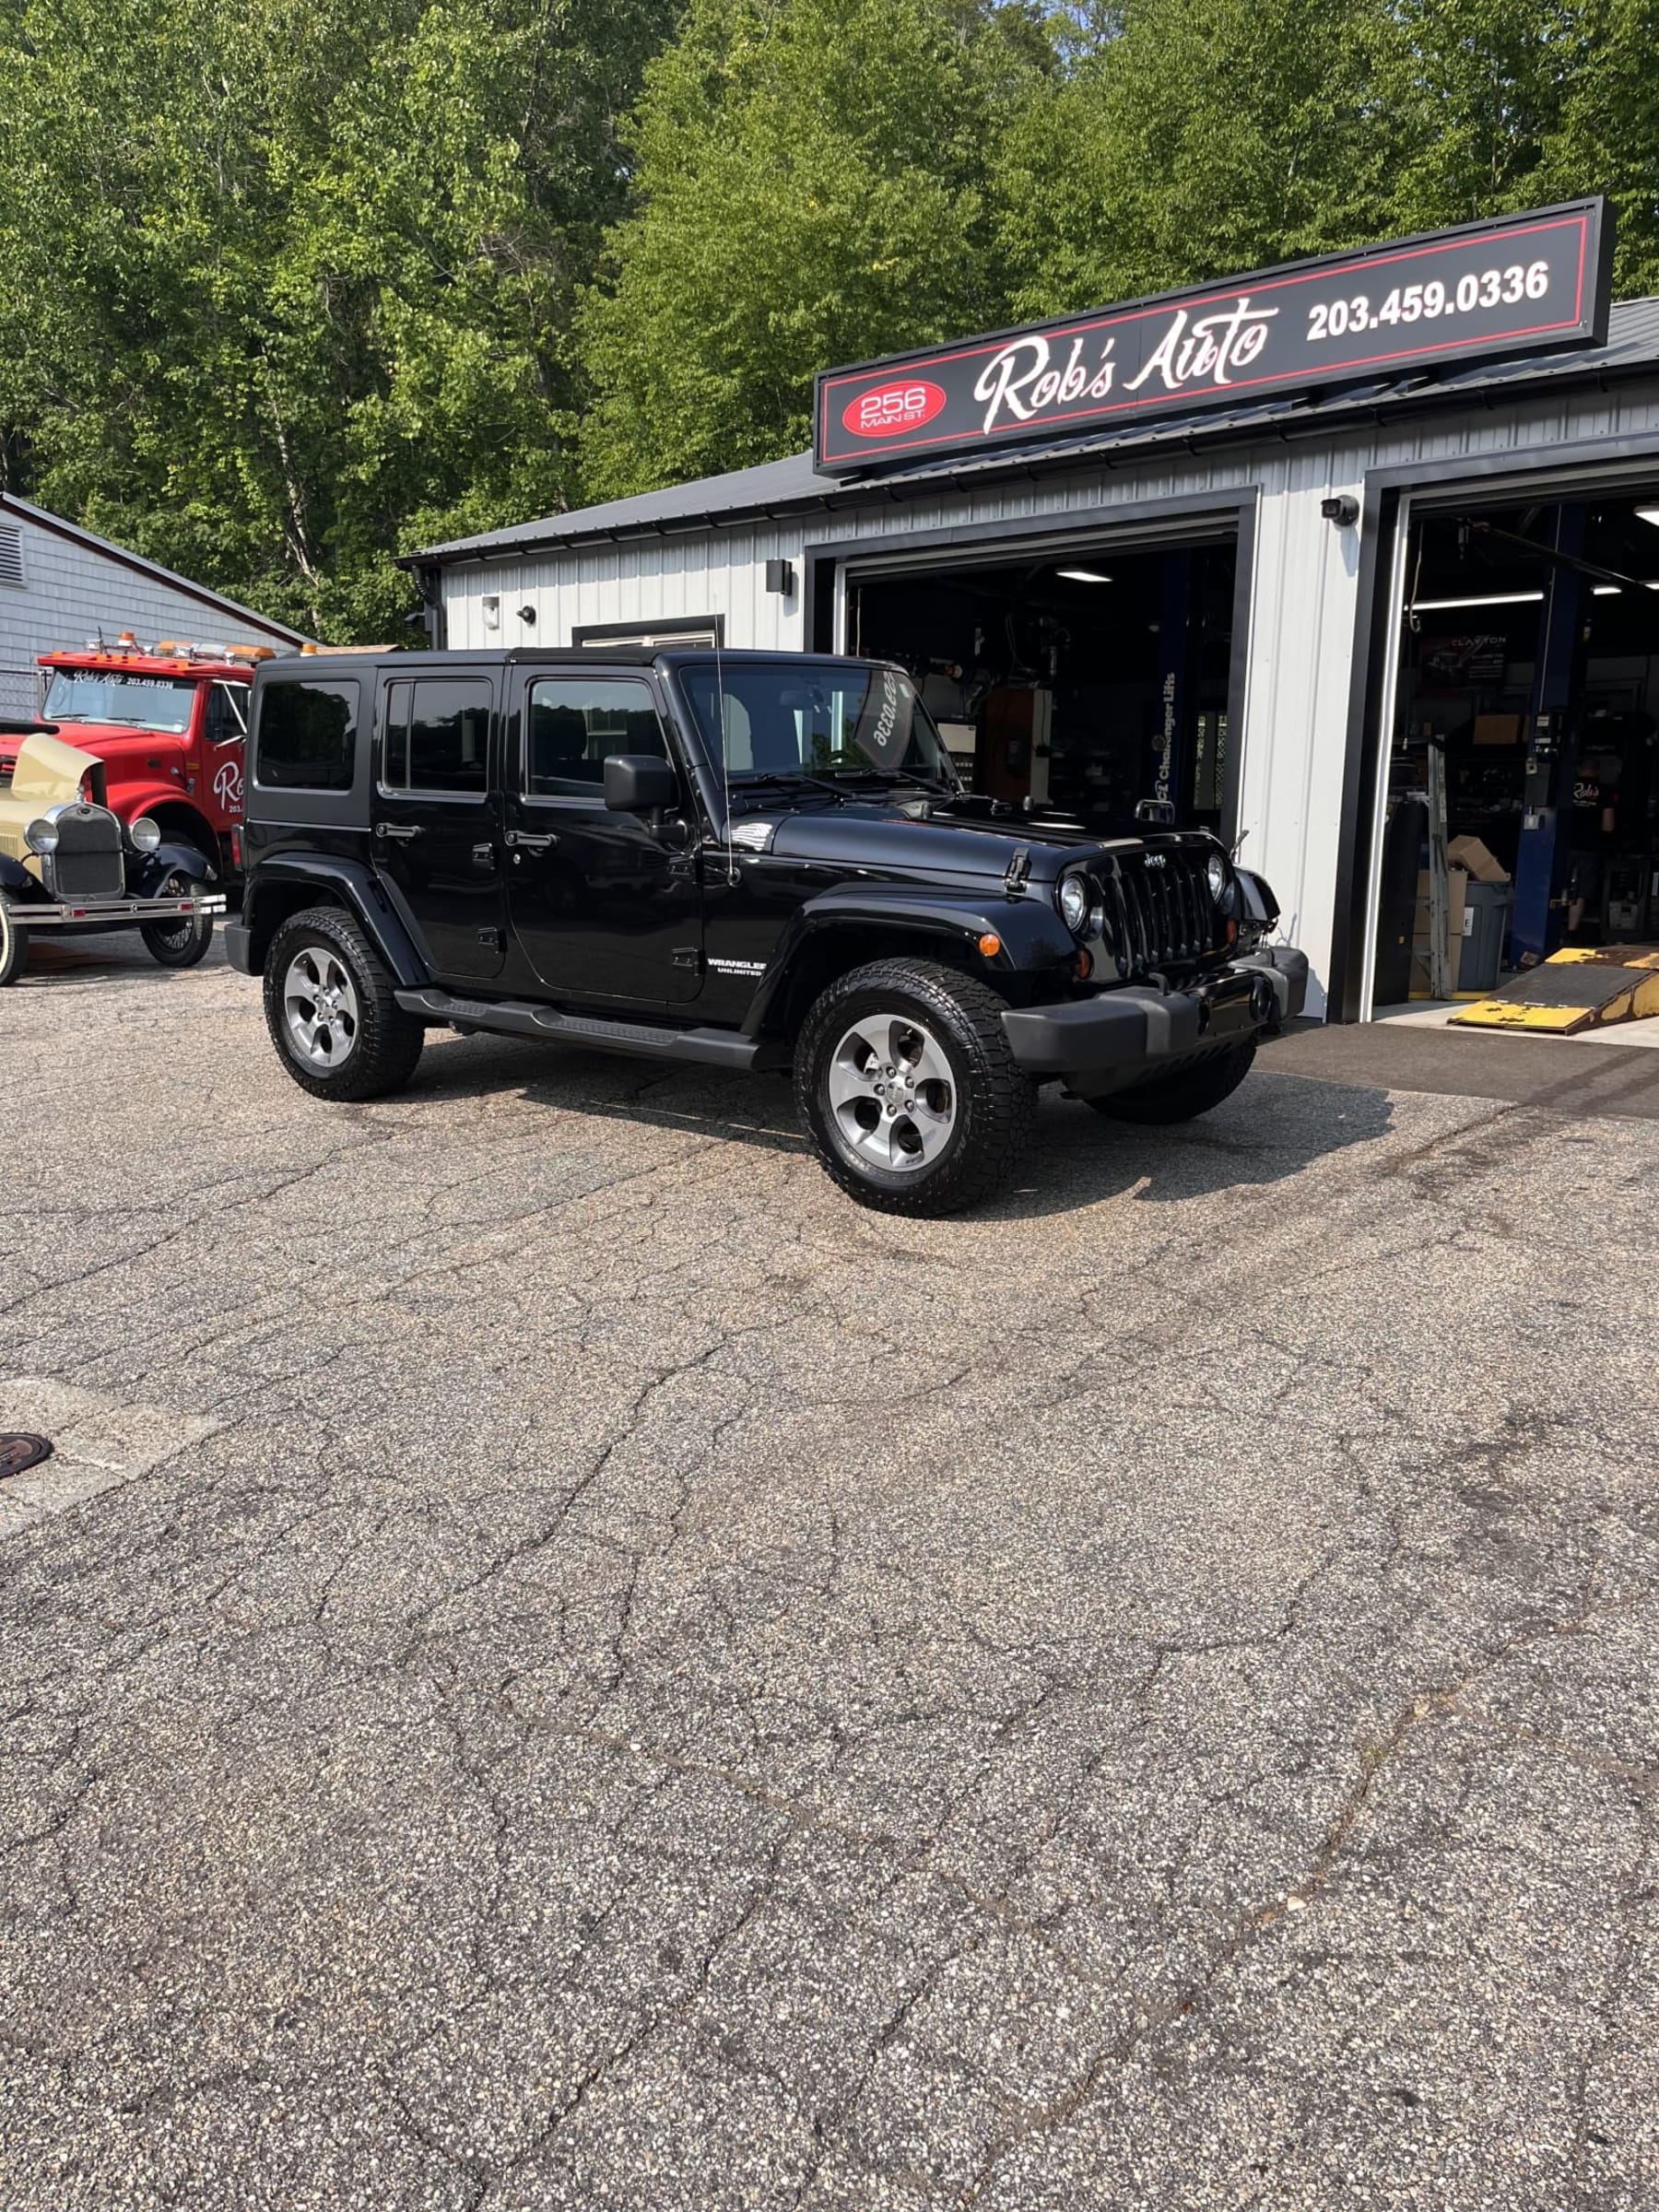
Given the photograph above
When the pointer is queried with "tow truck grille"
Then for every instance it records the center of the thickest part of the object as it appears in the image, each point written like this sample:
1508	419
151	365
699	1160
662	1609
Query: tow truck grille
1165	912
87	863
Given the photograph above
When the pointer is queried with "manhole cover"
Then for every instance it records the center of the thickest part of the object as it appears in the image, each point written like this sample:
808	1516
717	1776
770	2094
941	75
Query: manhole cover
18	1450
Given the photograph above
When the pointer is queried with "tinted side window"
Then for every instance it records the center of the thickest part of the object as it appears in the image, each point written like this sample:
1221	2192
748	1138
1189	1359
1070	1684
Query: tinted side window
307	736
437	736
577	722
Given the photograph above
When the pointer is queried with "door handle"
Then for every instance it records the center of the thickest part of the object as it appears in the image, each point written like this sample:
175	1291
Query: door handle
532	840
482	856
402	832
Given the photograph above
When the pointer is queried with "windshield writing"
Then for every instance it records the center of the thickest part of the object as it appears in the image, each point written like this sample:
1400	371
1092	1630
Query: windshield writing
141	703
821	719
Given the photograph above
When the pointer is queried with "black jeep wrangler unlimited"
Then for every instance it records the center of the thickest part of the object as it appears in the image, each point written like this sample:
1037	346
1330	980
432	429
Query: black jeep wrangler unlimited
743	860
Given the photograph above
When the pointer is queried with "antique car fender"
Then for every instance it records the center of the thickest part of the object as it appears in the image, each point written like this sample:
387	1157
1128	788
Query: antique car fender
149	870
16	880
1032	936
291	881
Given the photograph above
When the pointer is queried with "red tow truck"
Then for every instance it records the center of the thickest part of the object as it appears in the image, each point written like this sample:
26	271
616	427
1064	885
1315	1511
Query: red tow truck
169	723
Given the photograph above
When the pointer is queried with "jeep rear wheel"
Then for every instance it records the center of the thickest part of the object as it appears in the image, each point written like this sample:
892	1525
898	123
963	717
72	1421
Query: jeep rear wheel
905	1077
1181	1098
329	1006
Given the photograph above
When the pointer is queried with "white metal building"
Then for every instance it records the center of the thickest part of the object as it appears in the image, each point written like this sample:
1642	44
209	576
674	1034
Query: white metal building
61	584
1311	660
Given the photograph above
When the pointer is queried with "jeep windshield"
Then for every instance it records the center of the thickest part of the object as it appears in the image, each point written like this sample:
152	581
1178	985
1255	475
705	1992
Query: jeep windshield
831	724
112	695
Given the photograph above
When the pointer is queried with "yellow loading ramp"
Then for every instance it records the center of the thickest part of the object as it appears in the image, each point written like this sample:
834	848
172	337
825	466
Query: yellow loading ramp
1573	990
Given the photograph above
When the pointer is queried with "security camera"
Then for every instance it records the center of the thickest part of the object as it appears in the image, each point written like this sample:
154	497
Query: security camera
526	614
1344	509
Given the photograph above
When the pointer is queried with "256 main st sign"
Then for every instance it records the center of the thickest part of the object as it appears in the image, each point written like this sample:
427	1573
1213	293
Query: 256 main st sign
1521	285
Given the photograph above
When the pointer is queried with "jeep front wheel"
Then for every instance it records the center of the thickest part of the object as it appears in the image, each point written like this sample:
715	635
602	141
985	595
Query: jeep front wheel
329	1006
905	1077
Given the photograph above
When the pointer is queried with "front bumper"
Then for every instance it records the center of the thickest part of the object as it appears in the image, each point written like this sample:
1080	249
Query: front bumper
110	913
1136	1033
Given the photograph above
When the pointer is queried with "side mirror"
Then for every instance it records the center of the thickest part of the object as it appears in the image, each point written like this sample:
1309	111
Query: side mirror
640	783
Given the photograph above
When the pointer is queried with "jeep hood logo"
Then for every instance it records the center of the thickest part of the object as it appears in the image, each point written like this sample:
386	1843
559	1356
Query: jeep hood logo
905	405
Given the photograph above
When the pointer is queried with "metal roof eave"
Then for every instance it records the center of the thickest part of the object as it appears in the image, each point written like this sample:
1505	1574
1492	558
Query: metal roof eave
1294	420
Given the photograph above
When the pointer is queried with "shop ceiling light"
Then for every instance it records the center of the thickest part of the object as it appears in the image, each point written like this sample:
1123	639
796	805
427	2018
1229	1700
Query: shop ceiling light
1437	606
1648	514
1083	575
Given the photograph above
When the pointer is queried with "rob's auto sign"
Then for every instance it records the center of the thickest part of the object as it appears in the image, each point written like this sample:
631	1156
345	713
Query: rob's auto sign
1522	285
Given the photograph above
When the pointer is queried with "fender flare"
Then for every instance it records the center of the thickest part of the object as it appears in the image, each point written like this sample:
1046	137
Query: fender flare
1034	937
357	887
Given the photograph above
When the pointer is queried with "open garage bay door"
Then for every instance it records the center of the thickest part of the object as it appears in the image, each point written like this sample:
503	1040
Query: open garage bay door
1081	675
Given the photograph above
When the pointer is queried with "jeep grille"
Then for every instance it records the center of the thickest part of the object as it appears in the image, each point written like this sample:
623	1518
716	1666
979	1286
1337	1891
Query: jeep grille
1165	914
87	863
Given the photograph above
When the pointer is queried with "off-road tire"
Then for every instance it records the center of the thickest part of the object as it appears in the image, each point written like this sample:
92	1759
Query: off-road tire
387	1042
993	1103
1181	1098
181	944
14	945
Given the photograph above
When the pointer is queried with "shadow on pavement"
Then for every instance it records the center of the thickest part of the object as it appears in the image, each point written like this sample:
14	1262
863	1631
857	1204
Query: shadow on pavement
1273	1127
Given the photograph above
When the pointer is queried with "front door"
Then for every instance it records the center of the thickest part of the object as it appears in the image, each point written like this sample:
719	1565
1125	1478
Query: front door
437	835
606	906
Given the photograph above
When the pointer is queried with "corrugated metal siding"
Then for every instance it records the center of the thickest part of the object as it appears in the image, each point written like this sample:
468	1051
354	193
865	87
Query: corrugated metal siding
70	591
1304	596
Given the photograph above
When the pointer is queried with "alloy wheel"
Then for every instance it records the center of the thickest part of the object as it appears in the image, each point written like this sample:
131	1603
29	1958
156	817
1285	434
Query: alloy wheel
891	1093
320	1008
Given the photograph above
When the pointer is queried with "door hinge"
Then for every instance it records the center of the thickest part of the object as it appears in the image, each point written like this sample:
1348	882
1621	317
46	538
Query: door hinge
688	956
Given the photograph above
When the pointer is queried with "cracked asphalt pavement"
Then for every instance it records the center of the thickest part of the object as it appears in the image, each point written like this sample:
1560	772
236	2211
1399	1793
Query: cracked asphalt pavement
559	1663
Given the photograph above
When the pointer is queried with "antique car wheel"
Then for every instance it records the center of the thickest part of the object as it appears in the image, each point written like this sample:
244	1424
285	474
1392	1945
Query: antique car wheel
329	1006
1179	1098
904	1076
14	945
183	942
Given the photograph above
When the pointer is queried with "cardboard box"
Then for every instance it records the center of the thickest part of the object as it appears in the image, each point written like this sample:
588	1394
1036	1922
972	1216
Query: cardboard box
1470	853
1498	729
1422	970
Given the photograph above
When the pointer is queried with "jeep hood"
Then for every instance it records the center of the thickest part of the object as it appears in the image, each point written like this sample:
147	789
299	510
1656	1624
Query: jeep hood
950	841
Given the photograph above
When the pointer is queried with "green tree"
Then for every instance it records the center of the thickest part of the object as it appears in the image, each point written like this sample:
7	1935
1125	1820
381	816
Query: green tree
1607	136
285	282
1198	137
811	188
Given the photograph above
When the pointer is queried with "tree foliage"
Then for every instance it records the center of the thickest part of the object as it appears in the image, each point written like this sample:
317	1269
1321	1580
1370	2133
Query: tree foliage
289	285
284	281
813	188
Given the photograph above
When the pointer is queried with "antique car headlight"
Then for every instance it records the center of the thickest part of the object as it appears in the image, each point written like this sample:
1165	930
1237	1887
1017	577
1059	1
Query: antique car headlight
145	834
1216	871
41	836
1074	904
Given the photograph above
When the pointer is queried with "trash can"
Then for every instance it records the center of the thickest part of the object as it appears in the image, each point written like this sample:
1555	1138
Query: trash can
1486	925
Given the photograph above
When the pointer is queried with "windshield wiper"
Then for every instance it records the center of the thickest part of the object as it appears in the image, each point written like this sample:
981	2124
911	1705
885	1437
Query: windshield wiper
786	780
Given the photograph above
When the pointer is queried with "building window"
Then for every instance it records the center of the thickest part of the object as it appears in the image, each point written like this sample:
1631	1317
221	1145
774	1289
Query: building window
11	559
437	737
577	723
307	738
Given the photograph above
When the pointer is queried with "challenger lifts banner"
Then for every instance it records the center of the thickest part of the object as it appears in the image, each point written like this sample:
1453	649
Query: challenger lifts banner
1522	285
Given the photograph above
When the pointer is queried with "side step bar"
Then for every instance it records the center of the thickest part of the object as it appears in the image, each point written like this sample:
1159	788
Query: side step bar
522	1018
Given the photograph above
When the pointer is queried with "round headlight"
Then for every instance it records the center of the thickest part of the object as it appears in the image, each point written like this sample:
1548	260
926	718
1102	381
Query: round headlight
145	835
41	836
1216	870
1074	904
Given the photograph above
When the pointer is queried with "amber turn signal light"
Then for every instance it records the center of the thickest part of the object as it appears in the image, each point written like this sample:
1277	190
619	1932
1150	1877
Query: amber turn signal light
990	944
1085	965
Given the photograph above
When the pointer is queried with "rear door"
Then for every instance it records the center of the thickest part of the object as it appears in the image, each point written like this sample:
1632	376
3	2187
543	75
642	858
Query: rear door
606	906
437	829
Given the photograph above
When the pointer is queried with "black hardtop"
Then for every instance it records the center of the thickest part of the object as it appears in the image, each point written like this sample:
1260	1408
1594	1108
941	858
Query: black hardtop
351	663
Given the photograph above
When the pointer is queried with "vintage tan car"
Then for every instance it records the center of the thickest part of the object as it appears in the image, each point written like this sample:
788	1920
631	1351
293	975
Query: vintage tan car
67	863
